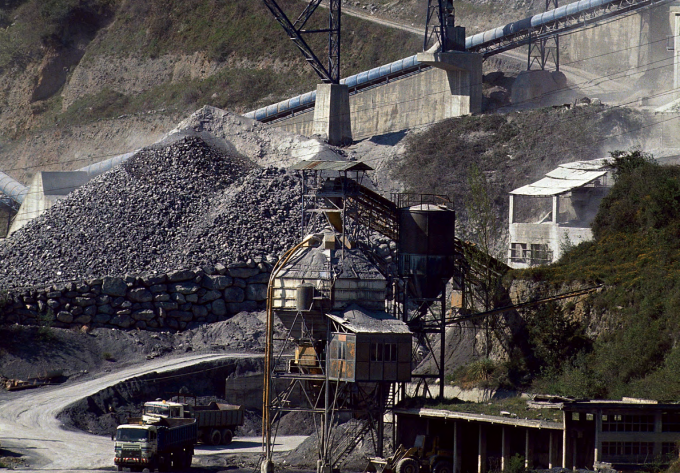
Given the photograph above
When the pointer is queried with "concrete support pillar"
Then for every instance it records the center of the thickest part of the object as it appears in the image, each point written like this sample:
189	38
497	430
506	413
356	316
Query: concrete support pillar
464	74
457	448
555	208
481	450
528	450
658	429
551	450
512	209
597	455
331	114
675	28
505	448
566	445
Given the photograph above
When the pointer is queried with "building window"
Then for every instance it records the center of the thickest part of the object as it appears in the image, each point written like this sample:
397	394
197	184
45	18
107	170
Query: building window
670	422
540	254
390	352
632	452
376	351
628	423
518	252
669	449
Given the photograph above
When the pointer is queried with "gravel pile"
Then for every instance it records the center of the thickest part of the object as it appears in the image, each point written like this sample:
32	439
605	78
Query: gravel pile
174	207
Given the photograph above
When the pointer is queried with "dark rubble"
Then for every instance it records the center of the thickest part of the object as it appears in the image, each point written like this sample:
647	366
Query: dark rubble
167	208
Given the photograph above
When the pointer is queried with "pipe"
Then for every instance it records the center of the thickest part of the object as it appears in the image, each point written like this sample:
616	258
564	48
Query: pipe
411	64
101	167
12	188
17	191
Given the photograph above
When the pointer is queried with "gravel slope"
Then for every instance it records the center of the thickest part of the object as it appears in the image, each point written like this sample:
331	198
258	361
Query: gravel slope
169	207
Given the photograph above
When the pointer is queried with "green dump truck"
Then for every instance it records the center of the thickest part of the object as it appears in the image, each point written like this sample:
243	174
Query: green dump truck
159	445
216	422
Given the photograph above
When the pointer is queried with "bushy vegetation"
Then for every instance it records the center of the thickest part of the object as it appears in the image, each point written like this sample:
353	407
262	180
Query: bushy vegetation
636	256
261	65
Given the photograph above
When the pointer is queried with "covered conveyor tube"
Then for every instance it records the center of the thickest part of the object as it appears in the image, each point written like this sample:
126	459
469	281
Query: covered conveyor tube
103	166
17	191
474	43
12	188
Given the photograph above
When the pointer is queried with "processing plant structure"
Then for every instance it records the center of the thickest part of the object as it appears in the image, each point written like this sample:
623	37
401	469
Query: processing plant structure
355	323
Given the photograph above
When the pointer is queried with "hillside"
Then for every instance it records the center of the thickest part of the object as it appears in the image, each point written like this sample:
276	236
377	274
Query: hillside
509	151
620	340
635	256
113	75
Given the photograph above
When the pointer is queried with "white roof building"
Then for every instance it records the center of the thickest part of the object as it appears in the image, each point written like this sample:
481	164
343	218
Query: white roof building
555	212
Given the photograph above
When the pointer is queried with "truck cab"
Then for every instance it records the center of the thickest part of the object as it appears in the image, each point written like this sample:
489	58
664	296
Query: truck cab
135	446
155	410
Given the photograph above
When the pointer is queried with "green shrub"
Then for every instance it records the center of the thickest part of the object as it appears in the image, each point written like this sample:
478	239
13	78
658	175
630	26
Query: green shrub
515	464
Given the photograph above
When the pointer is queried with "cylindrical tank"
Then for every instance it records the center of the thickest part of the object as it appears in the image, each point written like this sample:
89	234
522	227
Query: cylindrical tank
305	297
427	247
427	230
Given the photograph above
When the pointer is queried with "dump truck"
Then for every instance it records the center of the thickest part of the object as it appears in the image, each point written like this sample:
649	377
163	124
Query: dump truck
216	422
159	445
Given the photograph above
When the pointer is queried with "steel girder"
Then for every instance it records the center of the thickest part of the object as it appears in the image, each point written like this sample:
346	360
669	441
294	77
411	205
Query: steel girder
445	13
540	51
330	74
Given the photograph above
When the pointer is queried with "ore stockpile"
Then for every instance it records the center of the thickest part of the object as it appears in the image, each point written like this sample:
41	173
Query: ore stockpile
167	208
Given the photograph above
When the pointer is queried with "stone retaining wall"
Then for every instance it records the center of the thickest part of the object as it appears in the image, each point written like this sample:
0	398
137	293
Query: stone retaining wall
168	301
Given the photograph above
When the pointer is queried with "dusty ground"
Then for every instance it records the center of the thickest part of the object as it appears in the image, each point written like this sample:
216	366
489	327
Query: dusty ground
34	351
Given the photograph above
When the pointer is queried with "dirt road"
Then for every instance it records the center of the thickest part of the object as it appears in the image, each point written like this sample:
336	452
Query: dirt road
28	422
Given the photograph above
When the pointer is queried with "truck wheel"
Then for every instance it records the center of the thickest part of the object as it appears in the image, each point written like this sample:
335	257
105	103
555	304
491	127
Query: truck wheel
163	464
215	437
442	466
407	465
227	436
120	468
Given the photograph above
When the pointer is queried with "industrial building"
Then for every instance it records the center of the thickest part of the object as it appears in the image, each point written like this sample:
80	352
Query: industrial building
598	434
554	213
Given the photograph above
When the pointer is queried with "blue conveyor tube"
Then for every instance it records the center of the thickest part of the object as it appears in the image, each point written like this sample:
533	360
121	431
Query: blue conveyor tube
472	43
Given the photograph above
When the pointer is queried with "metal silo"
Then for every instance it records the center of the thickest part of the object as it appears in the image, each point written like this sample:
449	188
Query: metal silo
426	247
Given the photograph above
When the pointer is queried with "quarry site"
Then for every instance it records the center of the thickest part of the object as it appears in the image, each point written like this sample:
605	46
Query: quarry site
451	249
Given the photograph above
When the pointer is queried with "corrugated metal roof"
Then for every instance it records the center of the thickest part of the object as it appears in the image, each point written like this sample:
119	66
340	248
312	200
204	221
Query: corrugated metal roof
360	320
566	177
491	419
332	166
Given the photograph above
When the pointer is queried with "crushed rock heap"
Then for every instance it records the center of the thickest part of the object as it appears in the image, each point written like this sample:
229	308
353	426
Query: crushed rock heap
176	206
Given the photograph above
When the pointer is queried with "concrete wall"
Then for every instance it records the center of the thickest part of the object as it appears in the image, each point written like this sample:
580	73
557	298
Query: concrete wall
552	234
45	189
405	103
628	43
170	301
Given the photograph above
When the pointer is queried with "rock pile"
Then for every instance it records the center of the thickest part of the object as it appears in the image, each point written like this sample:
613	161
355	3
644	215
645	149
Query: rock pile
170	207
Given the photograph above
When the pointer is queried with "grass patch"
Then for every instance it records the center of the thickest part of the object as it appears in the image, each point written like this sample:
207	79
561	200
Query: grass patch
514	405
239	90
